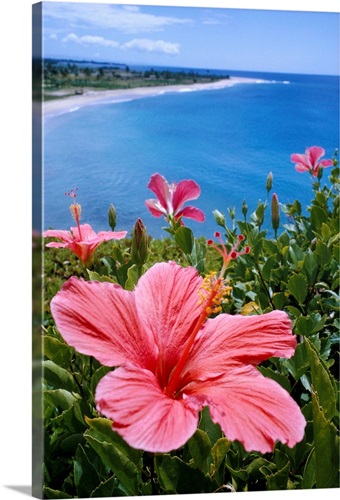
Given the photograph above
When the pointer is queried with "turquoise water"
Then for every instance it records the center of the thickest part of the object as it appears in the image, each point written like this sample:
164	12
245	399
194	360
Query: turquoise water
227	140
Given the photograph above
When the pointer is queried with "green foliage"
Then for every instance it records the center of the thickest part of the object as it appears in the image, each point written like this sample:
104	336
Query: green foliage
297	270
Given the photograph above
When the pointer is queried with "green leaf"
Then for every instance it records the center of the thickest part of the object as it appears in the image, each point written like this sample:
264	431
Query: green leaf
86	477
184	238
123	460
299	363
326	448
318	216
61	398
73	418
277	480
58	377
310	267
268	267
50	493
108	489
99	277
325	231
280	299
97	376
219	451
308	480
322	383
134	273
207	425
309	325
278	377
57	351
323	252
297	286
200	446
70	443
175	476
254	468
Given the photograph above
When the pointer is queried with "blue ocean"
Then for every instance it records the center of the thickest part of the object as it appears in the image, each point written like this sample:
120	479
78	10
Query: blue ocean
227	140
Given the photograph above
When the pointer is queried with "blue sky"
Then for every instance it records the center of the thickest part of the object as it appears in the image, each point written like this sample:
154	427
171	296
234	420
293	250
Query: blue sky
197	37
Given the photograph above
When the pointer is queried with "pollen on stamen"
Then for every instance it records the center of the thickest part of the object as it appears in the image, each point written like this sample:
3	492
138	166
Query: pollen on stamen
75	210
213	292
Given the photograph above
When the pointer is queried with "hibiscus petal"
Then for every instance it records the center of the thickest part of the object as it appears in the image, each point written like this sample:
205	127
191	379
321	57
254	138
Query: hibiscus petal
155	208
56	244
315	153
185	190
111	235
326	163
159	185
87	233
191	213
58	233
232	339
251	409
167	303
301	168
100	320
301	160
143	415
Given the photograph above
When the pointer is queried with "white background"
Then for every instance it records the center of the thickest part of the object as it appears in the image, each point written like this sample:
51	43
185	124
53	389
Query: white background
15	231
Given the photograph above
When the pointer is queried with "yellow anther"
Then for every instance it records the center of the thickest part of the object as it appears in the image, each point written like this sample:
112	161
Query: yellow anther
75	210
212	293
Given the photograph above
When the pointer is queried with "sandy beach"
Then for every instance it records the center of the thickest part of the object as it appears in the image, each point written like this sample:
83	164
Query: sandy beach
74	102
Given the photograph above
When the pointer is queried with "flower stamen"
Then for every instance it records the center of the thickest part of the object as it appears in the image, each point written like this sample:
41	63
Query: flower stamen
75	208
227	256
222	291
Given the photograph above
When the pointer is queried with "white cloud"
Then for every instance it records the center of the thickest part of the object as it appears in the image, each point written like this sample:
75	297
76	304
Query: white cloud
146	45
126	19
90	40
140	44
53	36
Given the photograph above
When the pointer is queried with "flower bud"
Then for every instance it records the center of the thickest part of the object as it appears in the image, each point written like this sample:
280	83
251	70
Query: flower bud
275	212
219	218
269	182
244	209
112	214
139	247
320	172
232	212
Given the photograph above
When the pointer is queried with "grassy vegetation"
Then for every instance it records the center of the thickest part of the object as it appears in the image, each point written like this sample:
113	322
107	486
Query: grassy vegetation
72	77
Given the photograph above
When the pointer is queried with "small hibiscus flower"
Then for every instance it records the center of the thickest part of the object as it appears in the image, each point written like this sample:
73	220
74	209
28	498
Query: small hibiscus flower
81	239
173	360
171	198
310	161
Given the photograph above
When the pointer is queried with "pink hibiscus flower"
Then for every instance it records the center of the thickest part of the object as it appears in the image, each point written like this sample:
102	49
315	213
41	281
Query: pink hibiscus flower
310	161
171	198
173	360
82	240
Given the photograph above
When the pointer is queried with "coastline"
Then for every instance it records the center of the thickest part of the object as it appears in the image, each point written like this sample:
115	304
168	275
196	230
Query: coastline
74	102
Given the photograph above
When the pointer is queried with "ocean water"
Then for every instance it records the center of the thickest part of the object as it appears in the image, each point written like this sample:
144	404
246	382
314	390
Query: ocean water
227	140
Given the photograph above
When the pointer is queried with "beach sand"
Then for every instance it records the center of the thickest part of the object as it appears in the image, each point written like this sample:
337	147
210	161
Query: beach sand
74	102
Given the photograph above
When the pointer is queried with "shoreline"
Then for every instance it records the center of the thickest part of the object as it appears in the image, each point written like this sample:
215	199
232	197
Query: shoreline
74	102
